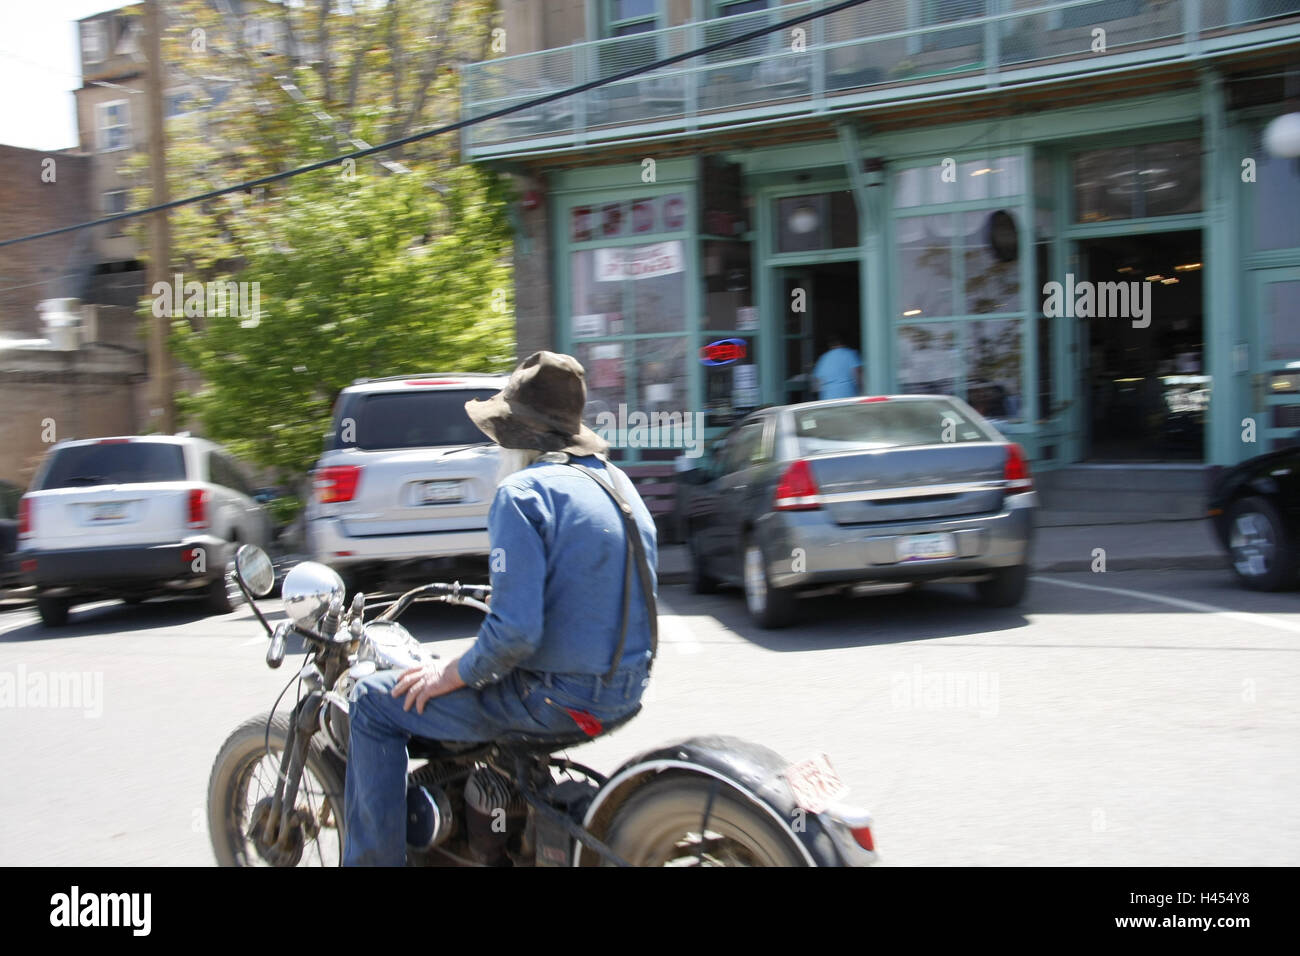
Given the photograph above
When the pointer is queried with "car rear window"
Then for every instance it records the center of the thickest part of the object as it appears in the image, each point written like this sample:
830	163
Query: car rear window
114	463
422	419
887	424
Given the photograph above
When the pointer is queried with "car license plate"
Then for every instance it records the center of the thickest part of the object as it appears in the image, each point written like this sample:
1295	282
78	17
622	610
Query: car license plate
815	783
927	547
111	511
440	492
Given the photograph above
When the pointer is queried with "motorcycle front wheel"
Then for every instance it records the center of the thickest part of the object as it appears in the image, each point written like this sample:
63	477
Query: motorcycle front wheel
241	788
671	822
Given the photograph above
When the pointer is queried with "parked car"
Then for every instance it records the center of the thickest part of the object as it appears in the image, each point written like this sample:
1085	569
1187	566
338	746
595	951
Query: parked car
403	487
9	497
1255	509
133	518
849	493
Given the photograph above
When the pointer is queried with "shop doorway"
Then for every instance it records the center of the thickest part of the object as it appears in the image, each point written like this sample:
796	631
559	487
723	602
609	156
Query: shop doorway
818	303
1143	370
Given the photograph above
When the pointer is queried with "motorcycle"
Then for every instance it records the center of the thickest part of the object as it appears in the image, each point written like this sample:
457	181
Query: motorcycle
275	796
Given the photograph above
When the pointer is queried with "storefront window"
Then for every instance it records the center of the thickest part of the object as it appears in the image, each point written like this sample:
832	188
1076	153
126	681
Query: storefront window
978	359
929	358
1135	182
731	383
989	246
955	266
728	286
819	221
947	180
993	363
627	320
925	263
1282	311
990	179
622	290
1276	197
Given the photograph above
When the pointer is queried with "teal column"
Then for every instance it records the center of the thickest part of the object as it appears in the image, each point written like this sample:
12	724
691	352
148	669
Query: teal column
871	200
1222	275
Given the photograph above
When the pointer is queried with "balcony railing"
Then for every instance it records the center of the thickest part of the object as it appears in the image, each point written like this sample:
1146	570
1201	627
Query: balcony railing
879	52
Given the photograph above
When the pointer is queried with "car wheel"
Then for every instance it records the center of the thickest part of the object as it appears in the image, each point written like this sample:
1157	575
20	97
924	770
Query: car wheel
701	582
1261	553
223	594
1005	588
53	610
769	607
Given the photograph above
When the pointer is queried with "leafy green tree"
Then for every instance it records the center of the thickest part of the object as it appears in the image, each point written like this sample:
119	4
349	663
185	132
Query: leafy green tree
387	265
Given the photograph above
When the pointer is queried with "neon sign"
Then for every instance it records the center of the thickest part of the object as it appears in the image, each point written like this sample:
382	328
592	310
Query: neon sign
723	352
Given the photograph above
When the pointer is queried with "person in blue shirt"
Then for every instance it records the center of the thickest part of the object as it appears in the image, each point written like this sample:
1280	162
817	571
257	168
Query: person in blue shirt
838	373
547	659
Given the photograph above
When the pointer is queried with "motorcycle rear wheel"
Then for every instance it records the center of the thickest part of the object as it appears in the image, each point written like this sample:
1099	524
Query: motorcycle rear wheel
244	764
662	824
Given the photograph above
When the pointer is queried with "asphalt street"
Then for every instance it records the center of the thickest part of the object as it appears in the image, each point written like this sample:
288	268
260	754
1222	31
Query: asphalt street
1124	718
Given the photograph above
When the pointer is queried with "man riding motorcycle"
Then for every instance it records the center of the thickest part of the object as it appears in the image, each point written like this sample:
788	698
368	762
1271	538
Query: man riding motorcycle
572	629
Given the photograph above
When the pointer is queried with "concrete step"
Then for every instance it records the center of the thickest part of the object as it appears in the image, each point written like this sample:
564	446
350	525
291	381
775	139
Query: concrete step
1145	492
1144	505
1159	479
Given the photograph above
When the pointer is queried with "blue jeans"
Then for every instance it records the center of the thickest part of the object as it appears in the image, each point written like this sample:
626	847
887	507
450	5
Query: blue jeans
375	792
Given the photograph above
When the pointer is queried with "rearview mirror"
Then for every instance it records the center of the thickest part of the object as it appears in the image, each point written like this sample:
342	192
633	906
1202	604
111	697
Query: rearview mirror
254	569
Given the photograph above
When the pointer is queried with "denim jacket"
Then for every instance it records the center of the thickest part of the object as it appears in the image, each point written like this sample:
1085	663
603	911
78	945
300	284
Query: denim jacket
558	558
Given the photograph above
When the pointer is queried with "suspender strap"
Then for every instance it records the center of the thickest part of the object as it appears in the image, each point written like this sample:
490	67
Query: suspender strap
635	555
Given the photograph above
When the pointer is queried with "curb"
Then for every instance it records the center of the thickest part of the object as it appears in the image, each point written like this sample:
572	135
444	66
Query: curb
1178	562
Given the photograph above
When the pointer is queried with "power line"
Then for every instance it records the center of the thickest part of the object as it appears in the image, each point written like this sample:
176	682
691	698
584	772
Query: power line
450	127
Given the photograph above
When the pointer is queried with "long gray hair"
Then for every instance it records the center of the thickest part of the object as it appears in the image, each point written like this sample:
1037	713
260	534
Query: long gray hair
515	459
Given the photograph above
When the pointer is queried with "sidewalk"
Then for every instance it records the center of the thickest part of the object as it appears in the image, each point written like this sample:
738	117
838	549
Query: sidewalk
1150	546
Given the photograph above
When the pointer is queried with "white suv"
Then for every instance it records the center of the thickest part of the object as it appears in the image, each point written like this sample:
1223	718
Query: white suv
402	490
132	518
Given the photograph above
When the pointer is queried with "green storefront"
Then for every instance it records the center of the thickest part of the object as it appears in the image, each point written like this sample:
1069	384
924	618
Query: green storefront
931	250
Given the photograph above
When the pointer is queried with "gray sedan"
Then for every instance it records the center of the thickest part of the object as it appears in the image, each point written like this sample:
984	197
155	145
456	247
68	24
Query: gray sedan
856	493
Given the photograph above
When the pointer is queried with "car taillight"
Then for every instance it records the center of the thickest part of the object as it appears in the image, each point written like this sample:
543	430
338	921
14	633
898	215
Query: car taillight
337	483
198	508
797	491
1016	471
24	516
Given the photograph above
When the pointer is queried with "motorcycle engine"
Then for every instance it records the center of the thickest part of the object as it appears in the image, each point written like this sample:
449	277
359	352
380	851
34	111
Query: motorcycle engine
496	817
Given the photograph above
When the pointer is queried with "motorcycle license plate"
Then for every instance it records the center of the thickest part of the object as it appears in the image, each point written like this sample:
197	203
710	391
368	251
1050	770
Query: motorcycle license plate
927	547
440	492
815	783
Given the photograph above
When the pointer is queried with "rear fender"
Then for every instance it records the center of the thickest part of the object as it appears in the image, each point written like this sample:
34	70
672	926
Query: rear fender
751	772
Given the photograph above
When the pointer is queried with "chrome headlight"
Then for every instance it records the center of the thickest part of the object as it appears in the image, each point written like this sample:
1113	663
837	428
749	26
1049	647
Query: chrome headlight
391	647
308	590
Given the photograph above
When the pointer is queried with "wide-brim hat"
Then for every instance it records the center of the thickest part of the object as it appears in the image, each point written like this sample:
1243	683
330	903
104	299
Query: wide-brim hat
540	408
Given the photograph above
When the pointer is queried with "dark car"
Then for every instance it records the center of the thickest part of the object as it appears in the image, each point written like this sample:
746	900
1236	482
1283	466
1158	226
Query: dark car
1255	508
857	492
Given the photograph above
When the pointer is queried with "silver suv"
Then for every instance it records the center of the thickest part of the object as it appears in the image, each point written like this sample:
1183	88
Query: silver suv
403	487
133	517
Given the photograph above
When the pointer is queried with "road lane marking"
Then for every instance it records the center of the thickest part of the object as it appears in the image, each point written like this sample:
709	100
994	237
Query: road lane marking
673	631
1245	617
